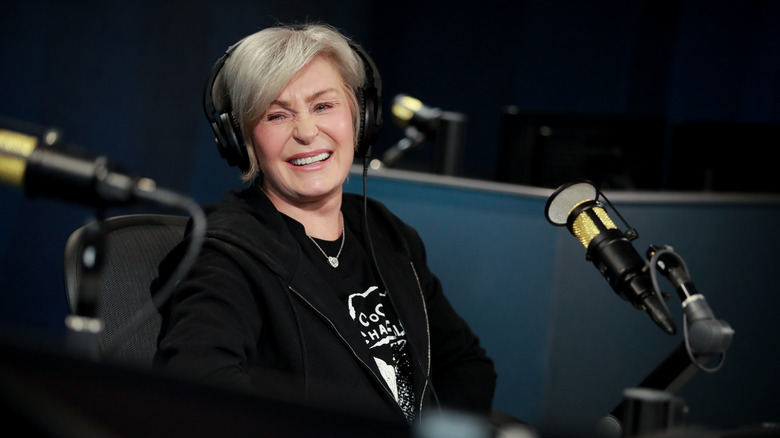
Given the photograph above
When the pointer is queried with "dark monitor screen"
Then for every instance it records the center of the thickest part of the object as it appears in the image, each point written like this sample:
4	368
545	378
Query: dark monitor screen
637	152
549	149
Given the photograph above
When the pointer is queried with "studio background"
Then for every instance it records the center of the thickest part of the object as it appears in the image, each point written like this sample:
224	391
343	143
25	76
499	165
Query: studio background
125	80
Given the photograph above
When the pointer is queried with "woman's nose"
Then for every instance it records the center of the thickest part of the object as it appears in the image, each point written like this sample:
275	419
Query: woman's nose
305	130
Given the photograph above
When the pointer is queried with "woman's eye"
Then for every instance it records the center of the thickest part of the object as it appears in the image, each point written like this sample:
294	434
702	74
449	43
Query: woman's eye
323	106
274	117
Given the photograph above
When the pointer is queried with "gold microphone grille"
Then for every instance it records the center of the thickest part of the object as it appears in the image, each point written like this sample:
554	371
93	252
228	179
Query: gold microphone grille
404	107
16	148
585	229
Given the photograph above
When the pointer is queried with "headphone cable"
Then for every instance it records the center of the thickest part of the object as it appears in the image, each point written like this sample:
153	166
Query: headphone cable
425	373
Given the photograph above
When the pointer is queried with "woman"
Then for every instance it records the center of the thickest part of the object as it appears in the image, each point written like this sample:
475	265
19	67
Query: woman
302	290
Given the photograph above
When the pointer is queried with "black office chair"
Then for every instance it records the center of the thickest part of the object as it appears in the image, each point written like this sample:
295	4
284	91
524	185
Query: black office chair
134	246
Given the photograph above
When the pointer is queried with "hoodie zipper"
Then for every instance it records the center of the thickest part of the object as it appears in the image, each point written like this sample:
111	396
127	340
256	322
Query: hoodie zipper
428	340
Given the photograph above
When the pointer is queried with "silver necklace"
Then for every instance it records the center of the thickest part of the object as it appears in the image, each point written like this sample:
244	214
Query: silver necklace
334	261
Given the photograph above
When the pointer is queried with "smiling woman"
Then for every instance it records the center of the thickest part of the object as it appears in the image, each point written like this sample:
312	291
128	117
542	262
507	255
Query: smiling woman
302	290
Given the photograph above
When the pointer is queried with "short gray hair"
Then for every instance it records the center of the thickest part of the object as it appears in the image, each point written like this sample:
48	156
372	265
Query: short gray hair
262	64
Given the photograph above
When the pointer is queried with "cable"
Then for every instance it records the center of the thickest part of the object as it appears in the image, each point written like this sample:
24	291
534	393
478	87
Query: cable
168	199
653	275
426	374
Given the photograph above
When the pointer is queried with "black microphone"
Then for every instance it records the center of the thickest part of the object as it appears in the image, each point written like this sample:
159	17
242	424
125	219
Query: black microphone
418	122
409	111
32	157
576	205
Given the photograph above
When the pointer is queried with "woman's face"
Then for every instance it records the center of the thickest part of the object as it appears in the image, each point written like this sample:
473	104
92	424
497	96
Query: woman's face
305	141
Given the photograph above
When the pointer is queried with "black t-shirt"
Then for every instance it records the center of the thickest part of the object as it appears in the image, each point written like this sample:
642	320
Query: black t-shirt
367	304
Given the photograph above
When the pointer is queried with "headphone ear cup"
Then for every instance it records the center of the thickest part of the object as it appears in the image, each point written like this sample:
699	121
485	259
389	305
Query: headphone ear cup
370	120
231	142
227	130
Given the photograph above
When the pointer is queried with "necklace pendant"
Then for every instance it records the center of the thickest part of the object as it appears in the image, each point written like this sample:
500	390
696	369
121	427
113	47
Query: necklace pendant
333	262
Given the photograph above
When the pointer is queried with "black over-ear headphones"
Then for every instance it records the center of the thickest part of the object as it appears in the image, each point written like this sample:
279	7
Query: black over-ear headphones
227	130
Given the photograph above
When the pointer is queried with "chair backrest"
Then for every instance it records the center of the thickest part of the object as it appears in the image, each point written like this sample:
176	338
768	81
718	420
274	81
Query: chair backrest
134	246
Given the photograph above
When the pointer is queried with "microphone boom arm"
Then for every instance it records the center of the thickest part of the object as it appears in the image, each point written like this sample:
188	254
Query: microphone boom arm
704	336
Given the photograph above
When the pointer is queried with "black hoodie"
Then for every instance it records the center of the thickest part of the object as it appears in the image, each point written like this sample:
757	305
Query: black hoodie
255	313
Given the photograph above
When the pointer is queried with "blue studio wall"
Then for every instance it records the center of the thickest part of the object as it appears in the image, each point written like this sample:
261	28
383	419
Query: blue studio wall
125	80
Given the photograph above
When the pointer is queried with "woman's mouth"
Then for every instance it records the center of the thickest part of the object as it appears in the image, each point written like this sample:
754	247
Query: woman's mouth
310	160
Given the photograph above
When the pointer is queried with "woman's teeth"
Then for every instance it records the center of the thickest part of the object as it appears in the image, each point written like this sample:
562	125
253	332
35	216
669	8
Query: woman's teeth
309	160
